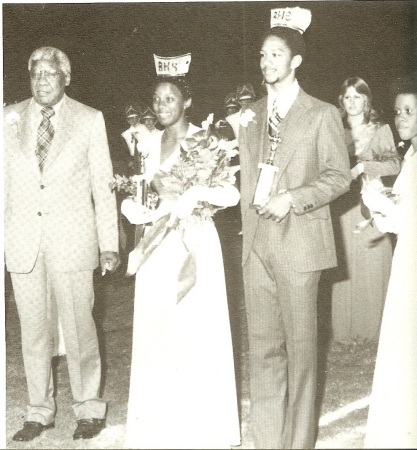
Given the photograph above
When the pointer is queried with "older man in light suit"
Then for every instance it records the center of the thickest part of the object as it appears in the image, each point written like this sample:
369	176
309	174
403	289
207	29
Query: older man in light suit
288	236
59	213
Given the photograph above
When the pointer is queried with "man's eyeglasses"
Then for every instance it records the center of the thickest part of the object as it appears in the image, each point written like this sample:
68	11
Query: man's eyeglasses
50	76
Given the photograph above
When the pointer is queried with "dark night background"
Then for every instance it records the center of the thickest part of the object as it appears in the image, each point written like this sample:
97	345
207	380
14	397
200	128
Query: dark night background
111	48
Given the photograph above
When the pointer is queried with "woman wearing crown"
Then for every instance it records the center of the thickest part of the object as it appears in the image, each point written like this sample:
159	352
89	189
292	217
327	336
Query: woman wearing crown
182	389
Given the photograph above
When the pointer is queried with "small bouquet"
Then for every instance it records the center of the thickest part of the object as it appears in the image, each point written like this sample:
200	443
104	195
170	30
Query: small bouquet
380	200
124	183
130	185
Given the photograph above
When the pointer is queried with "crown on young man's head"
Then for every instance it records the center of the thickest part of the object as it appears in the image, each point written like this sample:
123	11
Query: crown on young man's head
172	66
297	18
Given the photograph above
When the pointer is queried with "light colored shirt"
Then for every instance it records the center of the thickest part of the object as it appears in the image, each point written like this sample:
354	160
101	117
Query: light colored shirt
284	100
37	116
140	131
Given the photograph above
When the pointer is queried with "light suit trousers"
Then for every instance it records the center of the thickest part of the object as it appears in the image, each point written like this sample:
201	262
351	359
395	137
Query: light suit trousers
41	296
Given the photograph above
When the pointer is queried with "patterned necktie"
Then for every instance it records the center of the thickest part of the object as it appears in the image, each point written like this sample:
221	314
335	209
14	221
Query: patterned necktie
44	136
274	120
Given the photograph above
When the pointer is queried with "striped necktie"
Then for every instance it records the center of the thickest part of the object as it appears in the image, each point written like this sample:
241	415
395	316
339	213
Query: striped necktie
44	136
274	120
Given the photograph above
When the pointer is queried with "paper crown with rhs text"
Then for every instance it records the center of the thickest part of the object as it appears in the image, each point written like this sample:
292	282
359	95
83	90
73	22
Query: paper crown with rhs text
297	18
172	66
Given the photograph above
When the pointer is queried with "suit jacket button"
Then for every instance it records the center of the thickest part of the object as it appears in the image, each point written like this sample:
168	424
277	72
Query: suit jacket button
39	213
305	208
42	186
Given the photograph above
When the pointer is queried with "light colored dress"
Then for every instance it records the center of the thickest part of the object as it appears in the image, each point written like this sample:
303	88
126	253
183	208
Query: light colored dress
392	419
182	388
360	281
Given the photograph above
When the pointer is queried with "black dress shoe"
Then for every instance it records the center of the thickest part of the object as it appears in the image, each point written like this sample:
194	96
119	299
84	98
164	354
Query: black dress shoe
31	430
88	428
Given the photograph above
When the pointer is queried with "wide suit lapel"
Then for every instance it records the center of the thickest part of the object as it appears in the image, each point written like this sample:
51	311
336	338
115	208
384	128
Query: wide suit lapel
292	130
257	132
257	146
25	133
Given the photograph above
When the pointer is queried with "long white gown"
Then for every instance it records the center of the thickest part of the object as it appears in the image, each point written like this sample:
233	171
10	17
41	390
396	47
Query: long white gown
182	388
392	419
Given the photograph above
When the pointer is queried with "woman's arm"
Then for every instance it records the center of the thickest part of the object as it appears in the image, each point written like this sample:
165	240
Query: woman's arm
385	158
222	196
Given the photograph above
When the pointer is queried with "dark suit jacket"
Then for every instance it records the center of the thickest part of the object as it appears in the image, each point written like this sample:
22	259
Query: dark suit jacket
313	164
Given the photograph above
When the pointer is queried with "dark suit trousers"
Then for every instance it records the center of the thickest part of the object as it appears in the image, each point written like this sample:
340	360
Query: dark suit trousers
74	296
282	319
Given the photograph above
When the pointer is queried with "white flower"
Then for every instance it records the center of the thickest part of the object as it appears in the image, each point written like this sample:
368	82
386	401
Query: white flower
206	123
13	118
230	147
246	117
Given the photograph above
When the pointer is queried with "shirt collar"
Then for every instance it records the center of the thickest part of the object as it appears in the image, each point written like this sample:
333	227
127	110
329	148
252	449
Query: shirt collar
285	99
57	107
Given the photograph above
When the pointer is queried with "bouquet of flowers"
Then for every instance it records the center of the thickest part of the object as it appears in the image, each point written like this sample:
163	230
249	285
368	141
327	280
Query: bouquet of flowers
378	198
204	161
125	184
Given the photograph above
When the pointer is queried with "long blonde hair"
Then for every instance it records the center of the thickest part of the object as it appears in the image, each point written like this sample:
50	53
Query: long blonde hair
370	115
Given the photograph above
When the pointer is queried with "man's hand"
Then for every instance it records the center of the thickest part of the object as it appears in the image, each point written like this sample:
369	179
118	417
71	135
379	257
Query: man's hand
109	261
276	207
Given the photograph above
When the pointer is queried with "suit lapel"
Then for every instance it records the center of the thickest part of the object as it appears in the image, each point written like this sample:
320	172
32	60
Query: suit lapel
263	137
258	139
291	131
63	133
25	132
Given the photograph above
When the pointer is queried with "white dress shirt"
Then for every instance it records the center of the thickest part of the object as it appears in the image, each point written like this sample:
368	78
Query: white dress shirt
284	99
37	116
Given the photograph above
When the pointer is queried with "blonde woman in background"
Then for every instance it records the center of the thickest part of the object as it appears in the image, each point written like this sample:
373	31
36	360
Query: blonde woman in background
361	278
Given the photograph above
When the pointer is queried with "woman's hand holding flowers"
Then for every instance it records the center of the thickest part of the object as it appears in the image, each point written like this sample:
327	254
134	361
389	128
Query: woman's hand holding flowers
382	203
379	202
186	202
